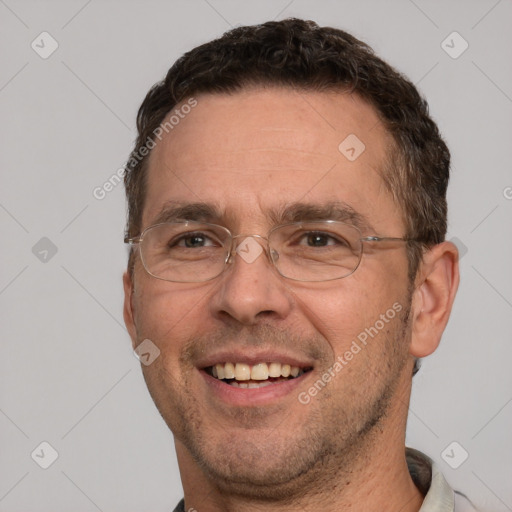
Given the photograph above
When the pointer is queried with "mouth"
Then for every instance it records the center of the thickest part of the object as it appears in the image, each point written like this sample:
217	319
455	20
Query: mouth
243	375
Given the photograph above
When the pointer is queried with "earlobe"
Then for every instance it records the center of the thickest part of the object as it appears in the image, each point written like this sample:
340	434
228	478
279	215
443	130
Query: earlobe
435	288
128	310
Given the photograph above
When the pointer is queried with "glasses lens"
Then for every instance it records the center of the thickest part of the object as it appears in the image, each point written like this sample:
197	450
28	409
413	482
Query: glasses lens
316	251
184	252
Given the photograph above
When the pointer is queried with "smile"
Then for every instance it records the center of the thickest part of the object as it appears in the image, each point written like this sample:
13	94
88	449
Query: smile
242	375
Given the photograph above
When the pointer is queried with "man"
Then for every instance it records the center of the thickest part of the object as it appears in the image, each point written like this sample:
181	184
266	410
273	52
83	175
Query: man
287	216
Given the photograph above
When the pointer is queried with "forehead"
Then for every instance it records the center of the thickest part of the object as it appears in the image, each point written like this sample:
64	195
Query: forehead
260	150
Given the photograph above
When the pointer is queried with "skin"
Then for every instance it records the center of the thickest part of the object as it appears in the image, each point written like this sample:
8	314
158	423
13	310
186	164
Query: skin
248	154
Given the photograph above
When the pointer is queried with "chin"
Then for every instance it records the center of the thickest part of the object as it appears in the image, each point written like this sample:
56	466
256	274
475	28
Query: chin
261	467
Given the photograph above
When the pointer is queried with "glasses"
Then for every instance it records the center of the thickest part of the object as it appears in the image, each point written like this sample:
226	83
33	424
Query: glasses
194	252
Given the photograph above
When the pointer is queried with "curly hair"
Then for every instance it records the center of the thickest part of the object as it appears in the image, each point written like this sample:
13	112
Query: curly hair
299	54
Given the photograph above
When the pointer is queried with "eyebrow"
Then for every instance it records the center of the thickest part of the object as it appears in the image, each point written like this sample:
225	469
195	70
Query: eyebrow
333	210
198	212
173	211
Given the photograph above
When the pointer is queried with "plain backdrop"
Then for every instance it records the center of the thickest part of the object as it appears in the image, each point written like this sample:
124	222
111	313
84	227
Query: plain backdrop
68	375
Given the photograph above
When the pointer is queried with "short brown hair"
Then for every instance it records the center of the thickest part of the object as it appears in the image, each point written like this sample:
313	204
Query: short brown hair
301	55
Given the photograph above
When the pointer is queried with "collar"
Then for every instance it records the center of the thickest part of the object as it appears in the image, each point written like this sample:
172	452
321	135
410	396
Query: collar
430	481
439	496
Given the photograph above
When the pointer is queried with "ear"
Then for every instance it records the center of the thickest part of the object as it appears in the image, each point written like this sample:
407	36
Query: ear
435	288
128	310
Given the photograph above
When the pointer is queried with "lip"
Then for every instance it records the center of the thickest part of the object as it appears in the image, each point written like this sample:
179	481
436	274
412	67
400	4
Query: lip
251	358
242	397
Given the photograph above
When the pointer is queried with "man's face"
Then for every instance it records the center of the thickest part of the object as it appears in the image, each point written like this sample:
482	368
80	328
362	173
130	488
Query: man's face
251	156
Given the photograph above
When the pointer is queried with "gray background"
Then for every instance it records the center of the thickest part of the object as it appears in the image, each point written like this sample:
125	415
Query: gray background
68	375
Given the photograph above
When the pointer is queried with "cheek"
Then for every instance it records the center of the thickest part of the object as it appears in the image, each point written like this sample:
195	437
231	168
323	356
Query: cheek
168	317
167	313
346	310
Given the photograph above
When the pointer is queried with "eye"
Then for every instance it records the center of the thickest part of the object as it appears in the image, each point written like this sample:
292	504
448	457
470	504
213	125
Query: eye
193	241
320	239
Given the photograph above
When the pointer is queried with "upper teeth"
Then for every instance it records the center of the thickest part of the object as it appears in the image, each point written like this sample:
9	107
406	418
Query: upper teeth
260	371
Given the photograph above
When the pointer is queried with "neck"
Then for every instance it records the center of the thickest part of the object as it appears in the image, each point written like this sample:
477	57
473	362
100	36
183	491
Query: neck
377	479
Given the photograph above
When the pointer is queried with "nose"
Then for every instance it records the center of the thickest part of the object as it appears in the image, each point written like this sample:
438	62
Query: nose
250	289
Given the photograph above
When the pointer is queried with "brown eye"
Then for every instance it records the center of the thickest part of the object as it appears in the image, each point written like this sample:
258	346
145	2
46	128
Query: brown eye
319	239
192	241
